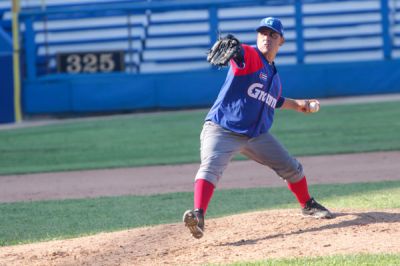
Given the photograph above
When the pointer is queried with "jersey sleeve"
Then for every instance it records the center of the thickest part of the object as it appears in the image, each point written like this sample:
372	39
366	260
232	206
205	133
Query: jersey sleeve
280	102
252	62
239	60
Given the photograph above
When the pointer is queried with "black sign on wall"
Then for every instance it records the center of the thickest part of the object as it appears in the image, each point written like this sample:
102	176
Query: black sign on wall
91	62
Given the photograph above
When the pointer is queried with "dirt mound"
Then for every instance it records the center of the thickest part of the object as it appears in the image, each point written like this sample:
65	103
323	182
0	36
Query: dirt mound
243	237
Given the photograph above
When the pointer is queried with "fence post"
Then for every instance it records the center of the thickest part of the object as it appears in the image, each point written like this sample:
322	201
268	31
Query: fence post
130	44
299	32
30	49
387	41
16	60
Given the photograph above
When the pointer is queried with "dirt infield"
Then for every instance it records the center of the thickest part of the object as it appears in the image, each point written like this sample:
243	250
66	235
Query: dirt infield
345	168
244	237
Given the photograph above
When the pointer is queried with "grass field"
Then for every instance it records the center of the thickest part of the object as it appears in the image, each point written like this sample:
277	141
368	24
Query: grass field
350	260
173	137
25	222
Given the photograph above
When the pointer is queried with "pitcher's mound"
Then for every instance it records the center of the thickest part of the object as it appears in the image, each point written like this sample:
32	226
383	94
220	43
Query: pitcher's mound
244	237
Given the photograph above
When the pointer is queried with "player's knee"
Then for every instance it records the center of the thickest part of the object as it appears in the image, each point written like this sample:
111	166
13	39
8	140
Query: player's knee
210	177
292	173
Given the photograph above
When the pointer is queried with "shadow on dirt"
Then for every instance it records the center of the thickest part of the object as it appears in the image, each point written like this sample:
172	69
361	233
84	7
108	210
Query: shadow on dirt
361	219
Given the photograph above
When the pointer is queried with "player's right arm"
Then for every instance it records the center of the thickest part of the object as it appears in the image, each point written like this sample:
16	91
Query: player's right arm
299	105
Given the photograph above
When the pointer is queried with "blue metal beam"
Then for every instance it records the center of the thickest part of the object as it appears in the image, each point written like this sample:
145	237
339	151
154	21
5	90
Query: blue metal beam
387	42
142	6
299	32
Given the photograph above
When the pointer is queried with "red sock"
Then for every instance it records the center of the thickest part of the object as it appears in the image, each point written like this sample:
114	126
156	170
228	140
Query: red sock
203	191
300	190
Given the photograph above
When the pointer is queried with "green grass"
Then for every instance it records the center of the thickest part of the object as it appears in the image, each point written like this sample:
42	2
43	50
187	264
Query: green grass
173	137
337	260
25	222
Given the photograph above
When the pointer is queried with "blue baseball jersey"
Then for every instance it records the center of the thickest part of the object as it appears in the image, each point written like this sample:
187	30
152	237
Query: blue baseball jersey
249	96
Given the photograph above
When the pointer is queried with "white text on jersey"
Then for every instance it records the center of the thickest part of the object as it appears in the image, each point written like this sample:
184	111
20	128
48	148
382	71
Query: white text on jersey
255	91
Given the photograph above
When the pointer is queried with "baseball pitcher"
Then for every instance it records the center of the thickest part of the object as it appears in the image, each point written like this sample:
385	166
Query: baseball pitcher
240	119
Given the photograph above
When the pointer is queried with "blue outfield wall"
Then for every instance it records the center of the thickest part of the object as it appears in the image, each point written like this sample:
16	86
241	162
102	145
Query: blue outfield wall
341	79
366	33
120	92
127	92
6	89
7	112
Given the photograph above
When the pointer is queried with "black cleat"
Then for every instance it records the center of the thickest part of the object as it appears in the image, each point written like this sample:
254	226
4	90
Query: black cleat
194	220
316	210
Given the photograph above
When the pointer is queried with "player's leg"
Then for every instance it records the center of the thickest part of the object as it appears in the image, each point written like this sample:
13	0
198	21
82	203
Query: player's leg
267	150
217	148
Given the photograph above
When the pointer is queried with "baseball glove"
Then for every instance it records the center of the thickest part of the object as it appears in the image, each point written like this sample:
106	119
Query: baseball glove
223	50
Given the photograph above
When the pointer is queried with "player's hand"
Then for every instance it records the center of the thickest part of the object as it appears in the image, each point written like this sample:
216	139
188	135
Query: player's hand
308	106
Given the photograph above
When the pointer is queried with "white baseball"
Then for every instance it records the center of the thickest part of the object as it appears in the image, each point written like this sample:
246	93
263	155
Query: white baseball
314	107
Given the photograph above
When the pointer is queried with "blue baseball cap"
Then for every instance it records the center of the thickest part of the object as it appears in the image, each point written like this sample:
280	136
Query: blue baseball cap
271	23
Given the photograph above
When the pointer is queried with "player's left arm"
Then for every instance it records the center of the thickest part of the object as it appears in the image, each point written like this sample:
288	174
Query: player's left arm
299	105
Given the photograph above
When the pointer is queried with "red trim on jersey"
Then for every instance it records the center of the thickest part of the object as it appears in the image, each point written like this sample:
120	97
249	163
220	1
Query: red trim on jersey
252	60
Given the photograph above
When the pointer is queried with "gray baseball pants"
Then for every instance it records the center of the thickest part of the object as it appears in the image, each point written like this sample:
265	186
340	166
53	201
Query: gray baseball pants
218	146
